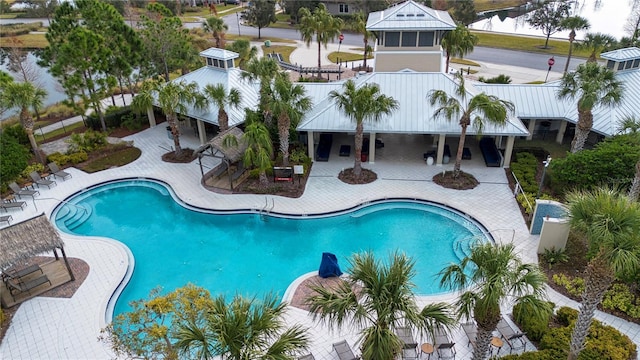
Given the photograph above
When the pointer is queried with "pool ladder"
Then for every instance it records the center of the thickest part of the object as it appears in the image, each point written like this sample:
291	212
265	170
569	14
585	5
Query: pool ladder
266	209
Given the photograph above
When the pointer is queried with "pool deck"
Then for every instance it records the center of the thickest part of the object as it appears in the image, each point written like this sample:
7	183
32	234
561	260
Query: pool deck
53	328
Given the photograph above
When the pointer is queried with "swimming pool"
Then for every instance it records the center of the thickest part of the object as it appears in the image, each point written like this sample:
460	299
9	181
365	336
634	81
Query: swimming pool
251	253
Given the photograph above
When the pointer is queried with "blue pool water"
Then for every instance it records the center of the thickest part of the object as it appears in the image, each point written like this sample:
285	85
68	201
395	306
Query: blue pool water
251	254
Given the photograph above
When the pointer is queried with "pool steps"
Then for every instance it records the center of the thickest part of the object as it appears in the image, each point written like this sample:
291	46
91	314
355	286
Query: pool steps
73	216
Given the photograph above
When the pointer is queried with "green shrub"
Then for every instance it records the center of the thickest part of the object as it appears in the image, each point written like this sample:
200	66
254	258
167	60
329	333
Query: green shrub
527	201
133	122
574	286
500	79
534	328
59	110
619	297
17	132
87	142
555	256
113	118
566	315
547	354
524	168
78	157
37	167
14	159
58	158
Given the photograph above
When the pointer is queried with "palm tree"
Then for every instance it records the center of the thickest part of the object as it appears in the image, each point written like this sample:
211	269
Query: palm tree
320	24
289	103
259	147
458	42
361	28
217	28
245	51
483	108
24	95
592	85
489	276
596	42
631	124
263	70
243	329
360	104
610	223
573	23
377	298
173	98
218	94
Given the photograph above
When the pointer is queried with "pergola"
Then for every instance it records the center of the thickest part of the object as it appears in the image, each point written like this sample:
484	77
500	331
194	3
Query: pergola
228	154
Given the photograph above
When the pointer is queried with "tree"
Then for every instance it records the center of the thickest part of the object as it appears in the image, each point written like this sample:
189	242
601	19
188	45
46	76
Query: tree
490	275
263	70
548	17
261	13
361	28
464	11
173	98
632	26
596	42
458	42
245	51
320	24
361	104
377	298
218	94
289	104
574	23
259	146
41	8
23	95
610	223
483	108
631	124
217	28
592	85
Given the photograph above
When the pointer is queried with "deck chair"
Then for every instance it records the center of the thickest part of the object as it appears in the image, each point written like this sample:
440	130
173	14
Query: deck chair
6	218
409	354
55	170
18	286
22	192
444	346
344	350
406	337
40	181
5	205
515	340
471	330
16	274
307	357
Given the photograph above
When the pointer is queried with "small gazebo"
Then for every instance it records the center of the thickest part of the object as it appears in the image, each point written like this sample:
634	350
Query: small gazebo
229	155
23	241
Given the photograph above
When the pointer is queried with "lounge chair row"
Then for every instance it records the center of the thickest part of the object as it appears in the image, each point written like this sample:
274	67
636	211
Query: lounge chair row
15	281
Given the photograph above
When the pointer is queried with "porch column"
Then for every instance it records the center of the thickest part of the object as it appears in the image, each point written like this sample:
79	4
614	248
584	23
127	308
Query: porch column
372	148
310	145
507	151
440	155
202	133
151	116
561	131
532	127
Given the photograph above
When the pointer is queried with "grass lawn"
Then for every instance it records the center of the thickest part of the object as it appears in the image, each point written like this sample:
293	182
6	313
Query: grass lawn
527	43
56	133
283	50
463	62
346	56
31	41
9	16
232	37
112	158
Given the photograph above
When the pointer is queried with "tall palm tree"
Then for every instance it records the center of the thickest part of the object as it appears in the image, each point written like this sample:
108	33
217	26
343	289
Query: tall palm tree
458	42
377	298
482	107
24	96
361	28
360	104
610	223
573	23
217	28
245	51
259	147
289	104
243	329
596	42
173	98
218	94
263	70
592	85
631	124
321	24
489	276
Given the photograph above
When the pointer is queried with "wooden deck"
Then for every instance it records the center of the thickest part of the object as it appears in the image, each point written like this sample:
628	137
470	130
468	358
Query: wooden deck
221	181
55	270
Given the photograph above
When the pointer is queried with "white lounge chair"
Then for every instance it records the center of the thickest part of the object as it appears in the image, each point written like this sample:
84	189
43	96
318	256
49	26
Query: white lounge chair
40	181
55	170
22	192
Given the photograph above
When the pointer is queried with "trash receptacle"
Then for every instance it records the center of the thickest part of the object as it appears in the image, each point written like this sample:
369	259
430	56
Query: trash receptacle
364	157
169	134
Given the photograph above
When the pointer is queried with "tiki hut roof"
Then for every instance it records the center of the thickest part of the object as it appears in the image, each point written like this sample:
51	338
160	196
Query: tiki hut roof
231	153
26	239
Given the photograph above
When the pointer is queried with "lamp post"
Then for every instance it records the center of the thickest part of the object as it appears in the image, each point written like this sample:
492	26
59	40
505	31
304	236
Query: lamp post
550	62
544	171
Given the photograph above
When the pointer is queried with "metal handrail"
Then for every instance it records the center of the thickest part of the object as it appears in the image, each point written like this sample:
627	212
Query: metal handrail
518	189
86	211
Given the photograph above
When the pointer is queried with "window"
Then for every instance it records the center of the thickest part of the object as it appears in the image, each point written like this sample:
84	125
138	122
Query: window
426	38
610	64
628	64
409	39
392	39
229	64
621	65
636	63
344	8
209	62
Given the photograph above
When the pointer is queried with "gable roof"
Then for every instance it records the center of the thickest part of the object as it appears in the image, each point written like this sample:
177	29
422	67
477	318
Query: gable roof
219	54
622	54
410	15
26	239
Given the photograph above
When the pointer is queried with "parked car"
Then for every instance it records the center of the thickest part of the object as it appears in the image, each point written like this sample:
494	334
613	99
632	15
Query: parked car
232	2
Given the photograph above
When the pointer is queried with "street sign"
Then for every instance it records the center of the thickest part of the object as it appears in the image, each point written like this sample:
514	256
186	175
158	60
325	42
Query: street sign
341	37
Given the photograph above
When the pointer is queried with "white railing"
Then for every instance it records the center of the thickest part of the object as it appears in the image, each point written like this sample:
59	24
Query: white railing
518	190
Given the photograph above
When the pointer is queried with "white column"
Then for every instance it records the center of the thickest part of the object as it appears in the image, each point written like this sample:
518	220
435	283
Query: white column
440	155
532	127
507	151
372	148
202	133
561	131
310	144
151	116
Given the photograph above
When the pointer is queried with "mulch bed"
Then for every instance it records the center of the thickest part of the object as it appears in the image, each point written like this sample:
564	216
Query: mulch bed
186	156
80	270
303	291
291	189
464	181
366	176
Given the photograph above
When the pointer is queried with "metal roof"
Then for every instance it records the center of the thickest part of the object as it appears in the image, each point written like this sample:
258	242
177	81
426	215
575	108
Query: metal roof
622	54
410	16
414	114
219	54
